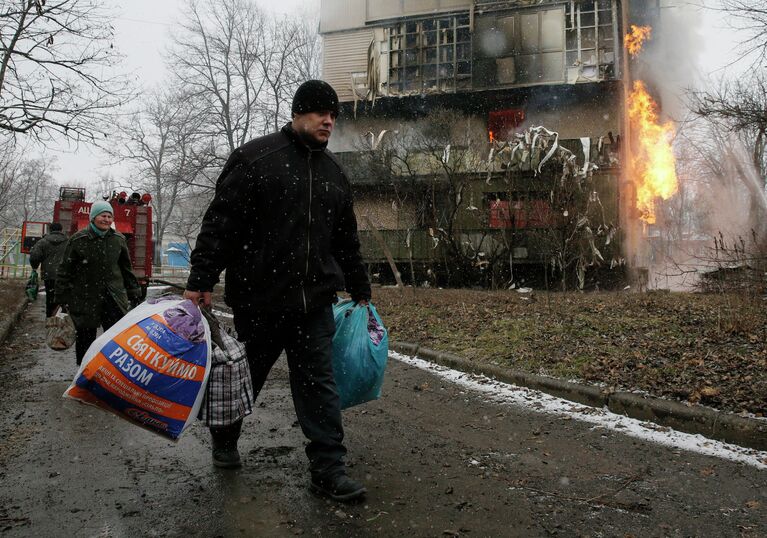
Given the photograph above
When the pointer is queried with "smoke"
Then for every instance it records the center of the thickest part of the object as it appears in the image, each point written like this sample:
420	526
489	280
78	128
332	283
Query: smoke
672	60
721	194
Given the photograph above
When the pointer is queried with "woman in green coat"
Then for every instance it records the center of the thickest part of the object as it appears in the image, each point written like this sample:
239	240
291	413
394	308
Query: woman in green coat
95	279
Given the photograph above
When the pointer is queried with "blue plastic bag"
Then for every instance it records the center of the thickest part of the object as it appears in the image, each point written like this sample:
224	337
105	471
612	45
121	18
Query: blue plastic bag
360	350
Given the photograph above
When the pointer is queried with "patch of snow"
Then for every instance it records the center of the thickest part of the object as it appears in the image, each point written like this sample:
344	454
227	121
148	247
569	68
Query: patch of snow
507	394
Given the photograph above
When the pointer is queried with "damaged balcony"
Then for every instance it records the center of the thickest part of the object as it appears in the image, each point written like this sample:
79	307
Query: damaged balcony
498	197
483	46
371	168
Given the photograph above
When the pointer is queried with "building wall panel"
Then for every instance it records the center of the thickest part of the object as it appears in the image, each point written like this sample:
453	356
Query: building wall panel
343	54
338	15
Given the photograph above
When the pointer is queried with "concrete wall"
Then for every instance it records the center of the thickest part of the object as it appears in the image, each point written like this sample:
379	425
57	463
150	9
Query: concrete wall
336	15
340	15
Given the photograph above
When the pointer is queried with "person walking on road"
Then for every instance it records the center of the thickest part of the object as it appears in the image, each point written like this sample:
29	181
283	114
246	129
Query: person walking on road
95	281
282	225
47	254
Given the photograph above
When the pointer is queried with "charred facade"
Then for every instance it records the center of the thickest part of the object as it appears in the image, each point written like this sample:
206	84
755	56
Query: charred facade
437	98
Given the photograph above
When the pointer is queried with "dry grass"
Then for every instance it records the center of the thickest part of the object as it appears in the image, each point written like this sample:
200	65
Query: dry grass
707	348
11	293
700	348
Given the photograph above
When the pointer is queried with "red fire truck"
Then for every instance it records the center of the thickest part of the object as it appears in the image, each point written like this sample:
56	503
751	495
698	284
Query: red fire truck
133	219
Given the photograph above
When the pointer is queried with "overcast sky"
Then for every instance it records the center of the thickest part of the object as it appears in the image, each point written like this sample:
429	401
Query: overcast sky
142	29
142	34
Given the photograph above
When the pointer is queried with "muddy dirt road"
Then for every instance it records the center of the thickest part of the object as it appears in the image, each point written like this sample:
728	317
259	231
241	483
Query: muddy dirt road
438	460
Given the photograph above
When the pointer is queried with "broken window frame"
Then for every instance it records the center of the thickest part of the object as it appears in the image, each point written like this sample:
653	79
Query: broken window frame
429	55
515	49
412	69
605	30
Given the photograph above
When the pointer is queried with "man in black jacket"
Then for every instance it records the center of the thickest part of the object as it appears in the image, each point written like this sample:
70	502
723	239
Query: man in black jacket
48	253
282	225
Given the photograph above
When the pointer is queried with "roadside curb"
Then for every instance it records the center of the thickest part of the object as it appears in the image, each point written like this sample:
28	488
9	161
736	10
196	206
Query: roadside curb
695	419
7	325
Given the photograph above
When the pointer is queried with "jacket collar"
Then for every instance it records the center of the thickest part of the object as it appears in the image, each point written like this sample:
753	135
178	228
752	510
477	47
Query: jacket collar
93	234
300	142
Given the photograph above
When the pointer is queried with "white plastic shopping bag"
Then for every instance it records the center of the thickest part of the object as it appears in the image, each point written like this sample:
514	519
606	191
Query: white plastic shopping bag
59	331
150	368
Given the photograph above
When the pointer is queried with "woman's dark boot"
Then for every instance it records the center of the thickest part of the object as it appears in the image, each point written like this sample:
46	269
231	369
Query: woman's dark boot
225	454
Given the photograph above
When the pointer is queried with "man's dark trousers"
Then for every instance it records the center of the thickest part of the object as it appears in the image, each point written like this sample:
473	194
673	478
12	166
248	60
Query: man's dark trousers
50	304
308	342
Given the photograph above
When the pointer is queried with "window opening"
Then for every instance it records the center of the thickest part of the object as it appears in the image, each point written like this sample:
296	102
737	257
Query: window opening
590	40
519	48
573	42
430	55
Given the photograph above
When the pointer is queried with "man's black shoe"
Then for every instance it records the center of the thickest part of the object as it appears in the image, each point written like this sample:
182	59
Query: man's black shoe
226	458
338	487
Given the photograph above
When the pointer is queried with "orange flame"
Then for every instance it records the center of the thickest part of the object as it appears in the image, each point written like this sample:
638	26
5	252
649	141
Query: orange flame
634	40
492	136
653	158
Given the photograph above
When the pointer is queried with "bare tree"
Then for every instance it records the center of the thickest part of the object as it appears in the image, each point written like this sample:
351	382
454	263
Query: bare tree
190	209
433	167
53	57
750	17
712	232
290	57
306	61
107	183
9	177
453	158
736	113
32	192
557	201
161	141
240	67
215	57
478	208
740	106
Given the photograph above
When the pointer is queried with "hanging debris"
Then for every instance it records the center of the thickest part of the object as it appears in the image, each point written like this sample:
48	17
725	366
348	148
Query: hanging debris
532	149
576	235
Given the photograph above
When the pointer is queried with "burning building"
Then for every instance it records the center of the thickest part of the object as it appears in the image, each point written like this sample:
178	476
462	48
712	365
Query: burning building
463	121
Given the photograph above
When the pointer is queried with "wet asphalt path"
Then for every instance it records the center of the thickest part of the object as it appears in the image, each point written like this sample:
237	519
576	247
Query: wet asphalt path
438	461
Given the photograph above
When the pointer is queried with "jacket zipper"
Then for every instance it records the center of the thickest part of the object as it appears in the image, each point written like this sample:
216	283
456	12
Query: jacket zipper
308	232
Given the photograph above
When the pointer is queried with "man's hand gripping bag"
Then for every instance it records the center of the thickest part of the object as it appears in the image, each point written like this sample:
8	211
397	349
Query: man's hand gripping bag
150	368
360	350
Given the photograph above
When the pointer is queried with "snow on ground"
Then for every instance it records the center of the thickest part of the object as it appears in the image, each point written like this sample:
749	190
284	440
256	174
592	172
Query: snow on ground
507	394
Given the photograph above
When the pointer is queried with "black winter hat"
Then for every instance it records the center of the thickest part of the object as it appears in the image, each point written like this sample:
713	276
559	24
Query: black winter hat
315	96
